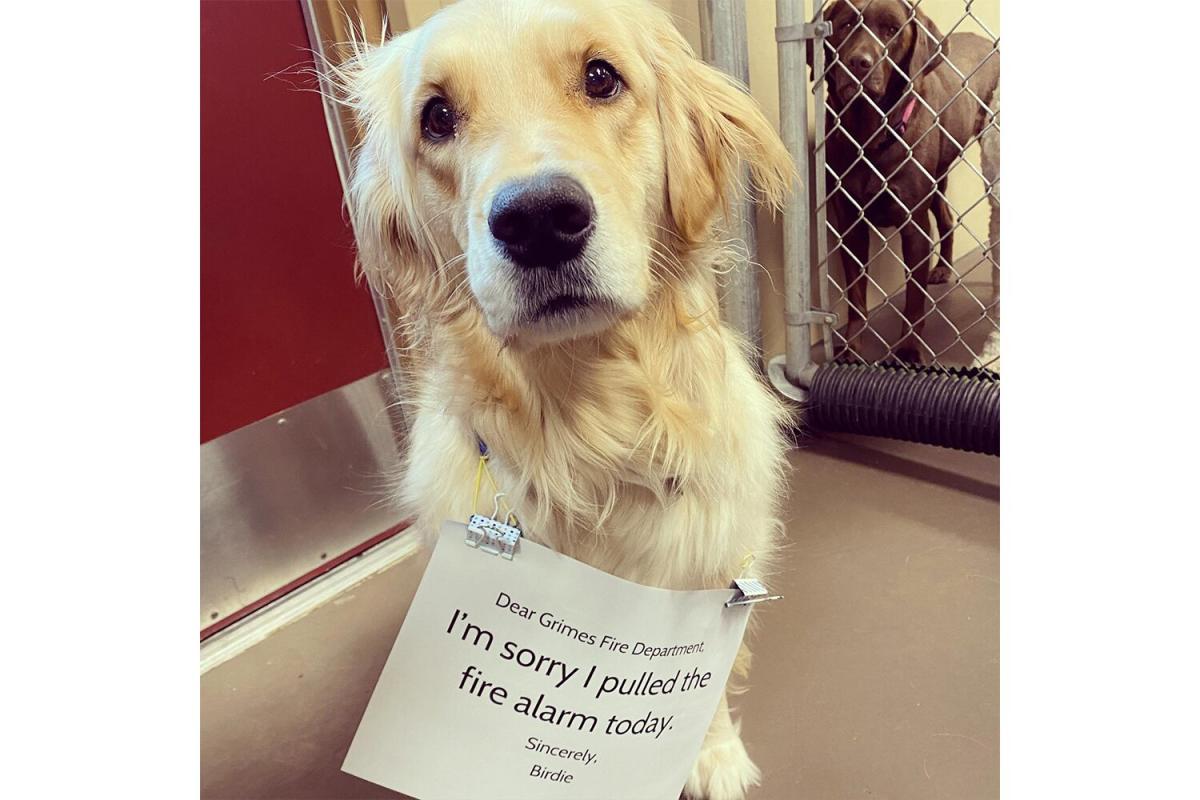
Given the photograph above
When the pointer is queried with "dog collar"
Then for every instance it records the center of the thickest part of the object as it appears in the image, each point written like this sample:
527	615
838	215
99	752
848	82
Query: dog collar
906	115
894	132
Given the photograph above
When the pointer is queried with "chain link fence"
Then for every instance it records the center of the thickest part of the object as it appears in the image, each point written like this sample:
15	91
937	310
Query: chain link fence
906	190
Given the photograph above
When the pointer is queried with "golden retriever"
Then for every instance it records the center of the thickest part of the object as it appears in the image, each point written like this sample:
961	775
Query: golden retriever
536	189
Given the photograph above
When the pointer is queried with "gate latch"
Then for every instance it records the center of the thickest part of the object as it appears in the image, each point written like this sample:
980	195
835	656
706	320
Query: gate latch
813	316
807	30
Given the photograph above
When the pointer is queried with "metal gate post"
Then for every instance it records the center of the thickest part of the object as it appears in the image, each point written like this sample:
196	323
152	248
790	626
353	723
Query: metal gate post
819	193
793	370
340	140
723	44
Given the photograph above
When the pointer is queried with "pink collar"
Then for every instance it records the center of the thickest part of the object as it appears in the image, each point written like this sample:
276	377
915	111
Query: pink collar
906	115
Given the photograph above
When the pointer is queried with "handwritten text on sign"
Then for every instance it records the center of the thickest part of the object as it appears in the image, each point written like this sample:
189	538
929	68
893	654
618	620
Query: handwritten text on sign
542	677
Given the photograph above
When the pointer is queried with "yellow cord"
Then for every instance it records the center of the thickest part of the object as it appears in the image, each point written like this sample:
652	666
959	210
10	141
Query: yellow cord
478	480
510	516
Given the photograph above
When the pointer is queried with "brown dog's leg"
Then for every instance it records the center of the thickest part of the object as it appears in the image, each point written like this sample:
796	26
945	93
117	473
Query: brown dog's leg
945	228
857	244
918	252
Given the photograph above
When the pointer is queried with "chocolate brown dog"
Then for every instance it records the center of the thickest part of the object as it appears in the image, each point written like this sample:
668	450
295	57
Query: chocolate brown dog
899	118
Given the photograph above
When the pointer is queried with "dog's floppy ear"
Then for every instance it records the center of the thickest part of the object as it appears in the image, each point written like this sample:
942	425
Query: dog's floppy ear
832	13
926	52
810	48
710	124
396	253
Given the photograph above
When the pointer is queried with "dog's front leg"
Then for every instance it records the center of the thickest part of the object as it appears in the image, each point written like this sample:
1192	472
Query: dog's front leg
943	273
917	245
724	770
856	244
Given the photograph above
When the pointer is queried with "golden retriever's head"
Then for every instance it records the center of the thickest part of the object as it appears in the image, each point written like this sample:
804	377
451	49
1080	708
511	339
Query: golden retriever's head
556	157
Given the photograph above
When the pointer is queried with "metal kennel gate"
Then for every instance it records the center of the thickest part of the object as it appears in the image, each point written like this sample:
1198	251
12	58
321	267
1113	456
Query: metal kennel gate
934	378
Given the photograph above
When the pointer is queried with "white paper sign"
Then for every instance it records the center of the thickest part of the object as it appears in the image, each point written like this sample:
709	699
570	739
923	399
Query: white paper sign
542	677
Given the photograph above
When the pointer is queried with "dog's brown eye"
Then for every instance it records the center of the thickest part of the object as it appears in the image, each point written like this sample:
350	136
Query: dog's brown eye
438	120
600	80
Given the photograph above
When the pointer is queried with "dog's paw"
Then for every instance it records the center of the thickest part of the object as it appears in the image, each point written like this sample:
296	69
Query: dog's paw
723	771
850	350
910	353
939	274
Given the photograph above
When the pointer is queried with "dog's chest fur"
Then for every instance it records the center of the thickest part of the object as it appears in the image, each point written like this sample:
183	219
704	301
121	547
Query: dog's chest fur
660	466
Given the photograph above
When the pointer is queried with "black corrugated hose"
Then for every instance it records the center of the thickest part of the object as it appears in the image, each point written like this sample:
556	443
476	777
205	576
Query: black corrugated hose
957	408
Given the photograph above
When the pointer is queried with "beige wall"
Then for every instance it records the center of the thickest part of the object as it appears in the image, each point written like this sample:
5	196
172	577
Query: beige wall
965	187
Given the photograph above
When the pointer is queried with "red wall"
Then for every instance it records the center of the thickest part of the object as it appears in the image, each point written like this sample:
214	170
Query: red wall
281	317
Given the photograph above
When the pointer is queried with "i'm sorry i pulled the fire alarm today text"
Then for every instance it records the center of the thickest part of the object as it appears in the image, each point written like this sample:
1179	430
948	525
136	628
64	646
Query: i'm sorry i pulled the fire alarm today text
543	678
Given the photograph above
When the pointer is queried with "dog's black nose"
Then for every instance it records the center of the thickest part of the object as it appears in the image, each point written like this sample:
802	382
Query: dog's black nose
543	221
861	63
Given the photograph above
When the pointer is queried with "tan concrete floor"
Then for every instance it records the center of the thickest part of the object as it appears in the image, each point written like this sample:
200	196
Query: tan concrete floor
876	677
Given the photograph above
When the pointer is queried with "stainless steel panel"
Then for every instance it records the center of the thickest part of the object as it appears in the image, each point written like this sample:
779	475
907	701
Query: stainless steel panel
282	496
276	720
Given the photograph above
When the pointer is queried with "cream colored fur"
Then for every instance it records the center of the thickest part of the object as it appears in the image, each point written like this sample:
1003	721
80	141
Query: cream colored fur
643	444
990	162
